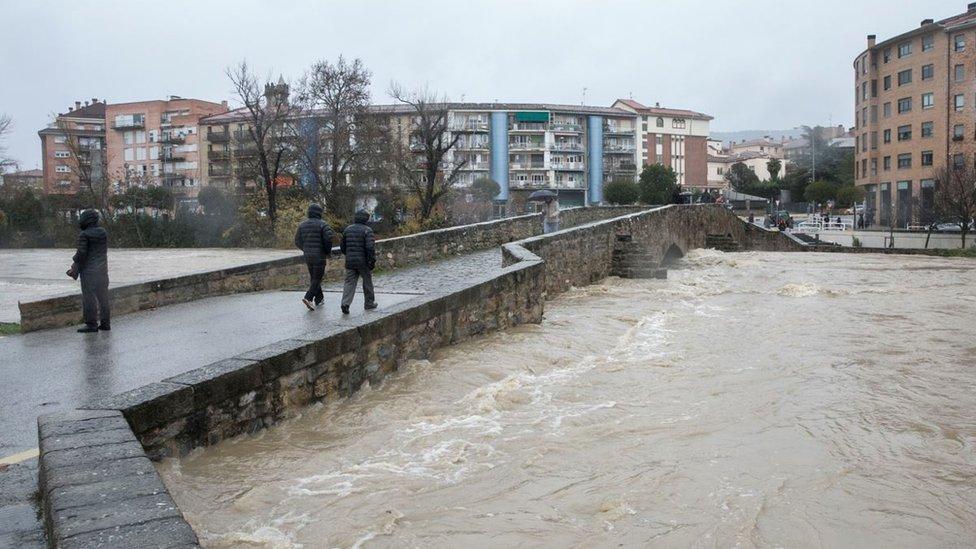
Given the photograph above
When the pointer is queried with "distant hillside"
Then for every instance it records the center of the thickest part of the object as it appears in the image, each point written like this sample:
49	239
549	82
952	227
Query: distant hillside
745	135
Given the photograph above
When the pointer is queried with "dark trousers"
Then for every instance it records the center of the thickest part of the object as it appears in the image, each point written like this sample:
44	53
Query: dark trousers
349	287
94	298
316	270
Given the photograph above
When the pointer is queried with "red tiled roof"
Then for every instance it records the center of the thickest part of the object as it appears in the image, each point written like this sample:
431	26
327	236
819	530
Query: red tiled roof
95	110
961	19
662	111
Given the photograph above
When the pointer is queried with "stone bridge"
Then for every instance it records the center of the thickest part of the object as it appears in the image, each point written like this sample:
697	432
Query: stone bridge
97	484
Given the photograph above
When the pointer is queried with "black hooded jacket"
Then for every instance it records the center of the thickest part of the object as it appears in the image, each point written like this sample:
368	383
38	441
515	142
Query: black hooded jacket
314	236
91	256
358	244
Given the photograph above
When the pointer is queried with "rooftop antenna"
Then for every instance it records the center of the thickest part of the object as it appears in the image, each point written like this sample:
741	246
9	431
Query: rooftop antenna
583	102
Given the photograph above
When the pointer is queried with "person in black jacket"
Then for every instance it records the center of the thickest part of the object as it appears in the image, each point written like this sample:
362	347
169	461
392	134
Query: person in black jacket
359	247
91	263
314	239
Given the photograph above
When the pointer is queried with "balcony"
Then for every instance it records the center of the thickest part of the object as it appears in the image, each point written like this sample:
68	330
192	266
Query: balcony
171	156
618	130
565	127
474	146
218	137
528	184
568	166
218	171
475	166
567	146
526	145
218	155
524	166
469	126
129	121
529	127
171	139
617	148
620	167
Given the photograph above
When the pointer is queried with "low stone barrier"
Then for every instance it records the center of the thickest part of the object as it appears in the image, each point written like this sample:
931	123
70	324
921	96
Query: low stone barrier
290	272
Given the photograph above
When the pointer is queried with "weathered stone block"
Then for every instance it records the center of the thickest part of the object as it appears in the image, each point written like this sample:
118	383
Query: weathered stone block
170	532
282	357
149	405
220	380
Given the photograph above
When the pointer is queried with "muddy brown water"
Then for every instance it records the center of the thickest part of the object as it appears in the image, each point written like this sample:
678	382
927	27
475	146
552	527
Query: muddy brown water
750	400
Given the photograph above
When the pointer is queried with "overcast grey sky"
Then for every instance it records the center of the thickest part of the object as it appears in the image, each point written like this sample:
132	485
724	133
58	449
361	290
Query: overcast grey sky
752	64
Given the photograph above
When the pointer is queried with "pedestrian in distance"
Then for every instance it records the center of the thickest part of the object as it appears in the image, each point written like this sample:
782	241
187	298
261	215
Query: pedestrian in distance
90	262
550	215
359	247
314	239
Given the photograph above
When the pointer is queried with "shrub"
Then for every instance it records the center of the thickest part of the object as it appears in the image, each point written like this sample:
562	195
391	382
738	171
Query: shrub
621	191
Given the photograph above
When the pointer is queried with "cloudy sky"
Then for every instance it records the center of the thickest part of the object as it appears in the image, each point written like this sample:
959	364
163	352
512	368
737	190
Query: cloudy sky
753	64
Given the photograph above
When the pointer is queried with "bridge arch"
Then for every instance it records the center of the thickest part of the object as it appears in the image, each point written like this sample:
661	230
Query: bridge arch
671	255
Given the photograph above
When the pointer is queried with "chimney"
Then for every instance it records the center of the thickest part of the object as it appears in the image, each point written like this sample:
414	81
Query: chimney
70	108
871	40
77	104
86	103
657	104
971	7
927	21
94	100
224	103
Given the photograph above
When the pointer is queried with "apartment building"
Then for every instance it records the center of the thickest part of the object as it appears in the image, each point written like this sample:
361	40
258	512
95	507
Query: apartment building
914	115
71	146
25	179
157	143
571	149
673	137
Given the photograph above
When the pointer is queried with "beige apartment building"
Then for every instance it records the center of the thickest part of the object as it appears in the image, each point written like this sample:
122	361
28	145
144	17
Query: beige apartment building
914	114
68	145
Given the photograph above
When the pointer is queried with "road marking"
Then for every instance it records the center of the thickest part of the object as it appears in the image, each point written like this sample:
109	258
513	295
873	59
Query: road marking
22	456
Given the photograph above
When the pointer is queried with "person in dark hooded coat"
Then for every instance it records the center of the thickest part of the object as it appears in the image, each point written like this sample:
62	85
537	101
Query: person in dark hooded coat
359	247
314	239
90	262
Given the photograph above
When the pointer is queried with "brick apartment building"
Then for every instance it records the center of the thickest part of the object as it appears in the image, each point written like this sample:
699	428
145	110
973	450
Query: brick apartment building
145	143
914	115
673	137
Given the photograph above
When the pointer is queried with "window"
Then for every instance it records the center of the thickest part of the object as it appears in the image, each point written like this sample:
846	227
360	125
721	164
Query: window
959	42
928	42
874	88
59	139
958	131
62	169
886	55
864	91
959	101
886	84
141	153
928	100
904	49
887	163
959	73
62	154
904	105
904	161
958	161
905	77
678	123
660	122
926	129
874	166
864	142
928	72
129	155
140	136
905	133
886	136
874	140
886	110
874	114
926	158
864	167
128	137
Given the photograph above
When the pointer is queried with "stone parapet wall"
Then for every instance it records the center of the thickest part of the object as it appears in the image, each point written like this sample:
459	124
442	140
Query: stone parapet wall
290	272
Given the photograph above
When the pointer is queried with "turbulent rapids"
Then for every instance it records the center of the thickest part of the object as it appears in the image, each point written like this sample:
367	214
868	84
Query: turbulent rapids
752	399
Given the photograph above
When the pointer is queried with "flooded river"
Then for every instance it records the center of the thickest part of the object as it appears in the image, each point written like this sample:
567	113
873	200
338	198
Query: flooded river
750	400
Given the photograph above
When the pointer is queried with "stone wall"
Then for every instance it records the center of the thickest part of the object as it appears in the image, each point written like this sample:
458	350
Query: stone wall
291	272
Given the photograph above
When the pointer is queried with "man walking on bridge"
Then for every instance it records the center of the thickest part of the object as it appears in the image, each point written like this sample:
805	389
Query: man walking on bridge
359	247
314	239
91	263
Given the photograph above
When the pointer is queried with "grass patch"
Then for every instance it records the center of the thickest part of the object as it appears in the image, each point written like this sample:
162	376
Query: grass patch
9	328
957	252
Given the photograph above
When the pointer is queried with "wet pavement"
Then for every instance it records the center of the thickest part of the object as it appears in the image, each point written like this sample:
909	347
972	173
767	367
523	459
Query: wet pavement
53	370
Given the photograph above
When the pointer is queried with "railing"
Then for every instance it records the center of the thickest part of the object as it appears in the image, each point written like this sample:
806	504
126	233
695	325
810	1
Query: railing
526	145
475	166
472	146
819	226
218	173
172	139
557	146
219	155
578	166
520	184
133	122
622	166
619	148
218	137
523	166
618	130
469	126
172	156
565	127
528	127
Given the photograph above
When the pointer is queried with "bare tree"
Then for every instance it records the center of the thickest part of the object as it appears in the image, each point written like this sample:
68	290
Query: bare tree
88	162
955	196
264	148
336	99
6	126
425	165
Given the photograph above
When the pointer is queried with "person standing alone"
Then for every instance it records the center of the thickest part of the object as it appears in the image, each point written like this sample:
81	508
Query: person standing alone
314	239
91	263
550	215
359	247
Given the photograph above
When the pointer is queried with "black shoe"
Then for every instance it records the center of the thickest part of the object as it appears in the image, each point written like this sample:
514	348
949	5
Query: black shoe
318	302
370	306
88	330
105	327
308	304
345	309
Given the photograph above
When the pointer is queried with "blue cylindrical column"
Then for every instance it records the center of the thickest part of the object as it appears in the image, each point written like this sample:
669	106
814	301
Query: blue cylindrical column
499	153
594	158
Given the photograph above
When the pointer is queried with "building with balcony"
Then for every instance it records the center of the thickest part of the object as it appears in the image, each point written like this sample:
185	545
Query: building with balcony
157	143
673	137
914	115
68	145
